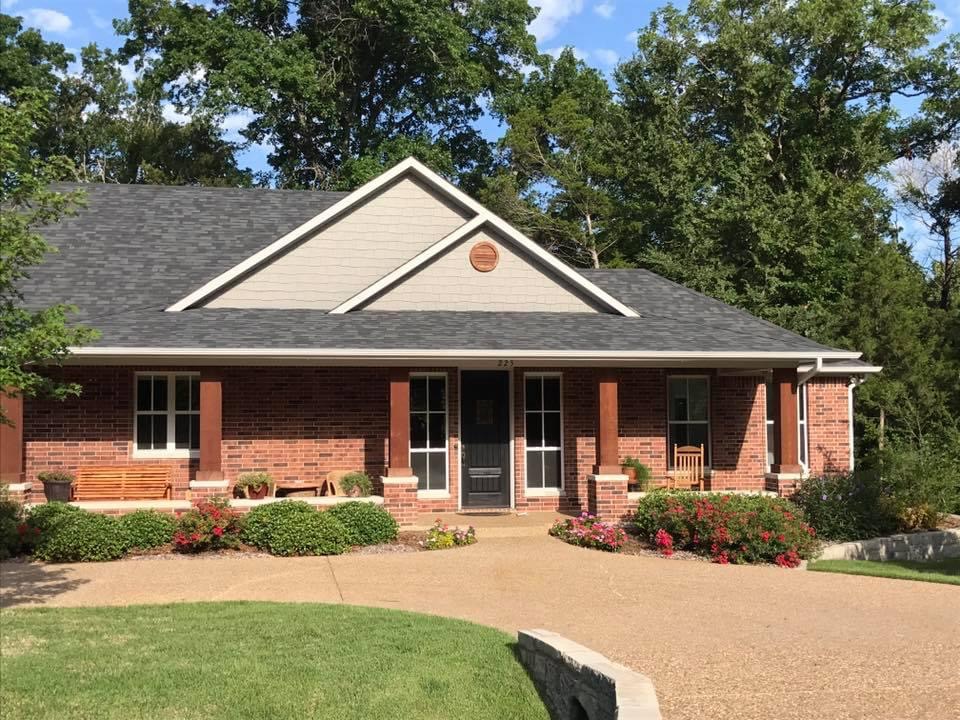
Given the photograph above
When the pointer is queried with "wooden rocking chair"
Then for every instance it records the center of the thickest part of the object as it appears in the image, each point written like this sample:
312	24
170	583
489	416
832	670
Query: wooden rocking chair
687	466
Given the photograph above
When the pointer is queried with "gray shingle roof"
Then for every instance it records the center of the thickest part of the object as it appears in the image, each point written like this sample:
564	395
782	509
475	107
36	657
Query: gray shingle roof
135	249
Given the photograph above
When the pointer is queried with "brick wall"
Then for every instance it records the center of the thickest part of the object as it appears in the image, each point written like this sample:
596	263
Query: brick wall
298	423
829	423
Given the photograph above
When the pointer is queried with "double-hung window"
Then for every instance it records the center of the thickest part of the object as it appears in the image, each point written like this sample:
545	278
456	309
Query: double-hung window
428	431
688	408
167	414
803	435
543	432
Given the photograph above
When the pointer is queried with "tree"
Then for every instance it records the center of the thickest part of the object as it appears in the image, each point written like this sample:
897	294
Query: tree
556	156
754	133
337	82
929	190
110	131
31	337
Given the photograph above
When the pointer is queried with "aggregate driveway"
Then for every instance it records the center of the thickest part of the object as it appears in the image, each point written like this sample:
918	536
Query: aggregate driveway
719	642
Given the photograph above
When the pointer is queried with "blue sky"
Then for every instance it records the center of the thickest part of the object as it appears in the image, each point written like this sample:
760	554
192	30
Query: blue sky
600	31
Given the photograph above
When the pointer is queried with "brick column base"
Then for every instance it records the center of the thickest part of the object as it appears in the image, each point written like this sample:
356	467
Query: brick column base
19	492
783	484
607	497
400	498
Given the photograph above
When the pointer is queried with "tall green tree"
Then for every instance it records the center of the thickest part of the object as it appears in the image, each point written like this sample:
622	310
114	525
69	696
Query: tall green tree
110	130
755	131
29	336
338	87
556	155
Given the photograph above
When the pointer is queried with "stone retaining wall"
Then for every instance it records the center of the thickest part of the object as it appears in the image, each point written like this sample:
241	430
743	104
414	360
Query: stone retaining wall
577	683
935	545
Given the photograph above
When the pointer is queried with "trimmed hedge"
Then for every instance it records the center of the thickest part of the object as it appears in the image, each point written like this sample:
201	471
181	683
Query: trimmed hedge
365	523
12	527
292	527
77	536
728	528
145	529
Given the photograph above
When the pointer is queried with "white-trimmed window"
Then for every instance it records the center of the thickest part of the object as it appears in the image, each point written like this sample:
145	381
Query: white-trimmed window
543	431
167	414
428	430
688	410
803	434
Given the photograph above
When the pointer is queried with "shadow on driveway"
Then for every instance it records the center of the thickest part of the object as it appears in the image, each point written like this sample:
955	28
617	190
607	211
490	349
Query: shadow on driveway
24	583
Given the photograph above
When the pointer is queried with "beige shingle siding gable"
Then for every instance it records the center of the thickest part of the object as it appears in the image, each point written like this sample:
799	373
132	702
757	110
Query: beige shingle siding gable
451	283
351	253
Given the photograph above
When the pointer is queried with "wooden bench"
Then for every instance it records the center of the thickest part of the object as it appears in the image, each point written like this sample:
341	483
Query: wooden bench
123	482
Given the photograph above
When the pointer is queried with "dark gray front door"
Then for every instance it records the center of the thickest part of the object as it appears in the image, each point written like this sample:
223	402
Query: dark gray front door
485	438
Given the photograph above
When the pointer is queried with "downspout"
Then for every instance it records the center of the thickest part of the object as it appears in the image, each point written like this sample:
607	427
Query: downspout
852	384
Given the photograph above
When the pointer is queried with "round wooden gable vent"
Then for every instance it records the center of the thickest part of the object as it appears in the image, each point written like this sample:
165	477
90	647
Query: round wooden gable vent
484	256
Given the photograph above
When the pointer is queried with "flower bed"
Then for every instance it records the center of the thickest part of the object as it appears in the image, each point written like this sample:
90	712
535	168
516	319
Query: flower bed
441	536
727	528
586	530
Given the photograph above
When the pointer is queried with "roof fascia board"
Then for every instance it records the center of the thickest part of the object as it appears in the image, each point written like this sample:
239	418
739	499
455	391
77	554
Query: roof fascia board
331	213
408	267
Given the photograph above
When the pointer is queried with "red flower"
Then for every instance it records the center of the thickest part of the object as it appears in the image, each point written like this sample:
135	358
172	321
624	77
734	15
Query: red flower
765	535
218	531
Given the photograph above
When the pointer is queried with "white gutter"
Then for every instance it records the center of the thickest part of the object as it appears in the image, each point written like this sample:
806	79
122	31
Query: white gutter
812	372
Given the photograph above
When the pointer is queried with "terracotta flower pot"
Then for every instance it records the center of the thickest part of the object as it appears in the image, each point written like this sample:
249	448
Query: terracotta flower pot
630	472
257	492
354	491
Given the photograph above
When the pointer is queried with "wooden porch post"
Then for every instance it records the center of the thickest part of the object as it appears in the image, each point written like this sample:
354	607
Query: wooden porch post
399	462
786	448
608	460
11	437
211	426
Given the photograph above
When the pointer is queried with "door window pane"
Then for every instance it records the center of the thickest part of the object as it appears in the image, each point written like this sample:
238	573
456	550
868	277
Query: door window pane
418	463
438	394
551	429
438	430
418	430
534	393
535	468
534	429
551	468
437	466
551	393
418	393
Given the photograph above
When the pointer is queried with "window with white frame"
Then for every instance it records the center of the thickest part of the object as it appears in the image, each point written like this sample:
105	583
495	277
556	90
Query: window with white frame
428	430
167	413
802	439
543	430
688	408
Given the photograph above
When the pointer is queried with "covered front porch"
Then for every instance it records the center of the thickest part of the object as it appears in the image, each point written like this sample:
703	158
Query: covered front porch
493	435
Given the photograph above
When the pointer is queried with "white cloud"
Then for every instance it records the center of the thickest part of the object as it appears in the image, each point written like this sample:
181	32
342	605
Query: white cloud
604	10
945	19
171	114
128	72
632	37
51	21
605	56
553	14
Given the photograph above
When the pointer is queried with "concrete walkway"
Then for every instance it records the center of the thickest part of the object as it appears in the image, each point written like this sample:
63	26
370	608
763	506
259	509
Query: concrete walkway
719	642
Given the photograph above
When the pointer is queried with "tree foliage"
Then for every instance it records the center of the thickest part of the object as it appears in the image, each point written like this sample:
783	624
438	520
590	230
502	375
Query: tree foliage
338	87
29	336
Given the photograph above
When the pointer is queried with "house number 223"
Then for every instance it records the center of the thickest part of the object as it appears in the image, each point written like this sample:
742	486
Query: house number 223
505	363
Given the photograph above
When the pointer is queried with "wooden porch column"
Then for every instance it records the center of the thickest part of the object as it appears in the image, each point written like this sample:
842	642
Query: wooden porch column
786	445
11	438
608	460
211	426
398	464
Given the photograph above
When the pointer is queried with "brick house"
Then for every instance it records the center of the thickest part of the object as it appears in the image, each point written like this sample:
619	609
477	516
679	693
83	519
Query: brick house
405	330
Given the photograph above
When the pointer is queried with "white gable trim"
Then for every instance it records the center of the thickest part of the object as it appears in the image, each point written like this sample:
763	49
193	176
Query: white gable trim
408	267
414	167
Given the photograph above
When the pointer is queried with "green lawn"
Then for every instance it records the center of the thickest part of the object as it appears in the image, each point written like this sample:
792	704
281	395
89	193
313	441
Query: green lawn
256	660
942	571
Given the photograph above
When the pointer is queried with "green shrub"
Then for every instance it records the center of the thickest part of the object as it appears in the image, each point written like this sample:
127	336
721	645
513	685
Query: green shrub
848	507
79	536
12	526
442	537
210	525
365	523
291	527
359	480
145	529
587	531
728	528
43	517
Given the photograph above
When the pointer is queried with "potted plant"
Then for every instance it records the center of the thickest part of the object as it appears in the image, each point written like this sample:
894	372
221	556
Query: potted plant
638	474
254	485
356	484
56	485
